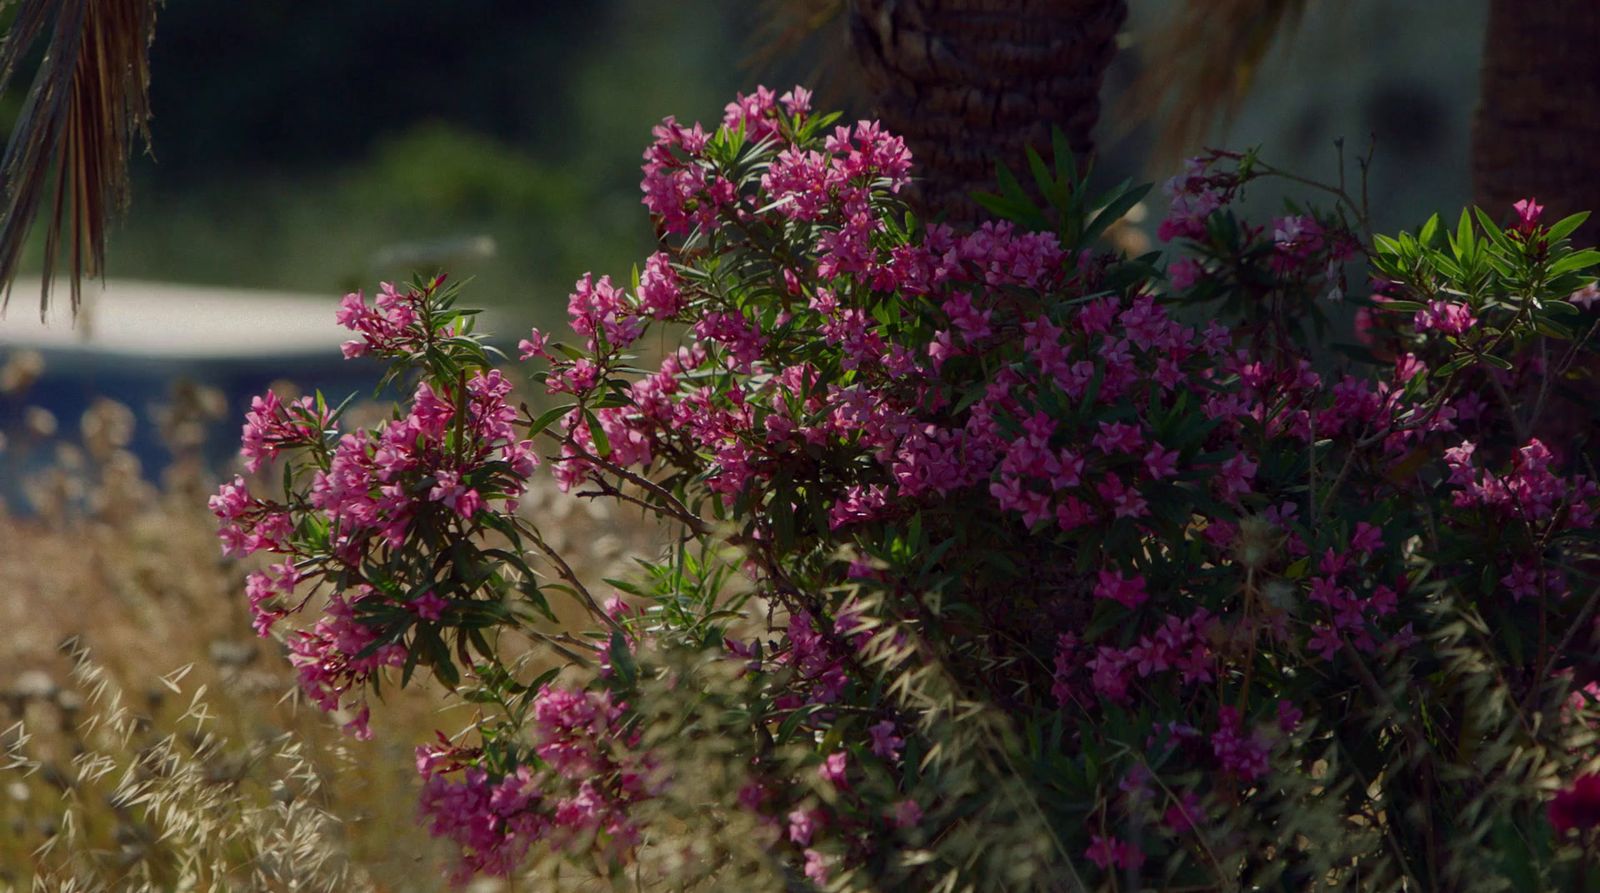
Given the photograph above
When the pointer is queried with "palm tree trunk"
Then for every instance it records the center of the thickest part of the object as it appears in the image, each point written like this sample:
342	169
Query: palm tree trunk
1537	134
971	82
1537	131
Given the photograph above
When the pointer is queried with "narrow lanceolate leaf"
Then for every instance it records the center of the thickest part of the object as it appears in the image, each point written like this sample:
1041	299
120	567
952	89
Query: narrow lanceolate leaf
88	102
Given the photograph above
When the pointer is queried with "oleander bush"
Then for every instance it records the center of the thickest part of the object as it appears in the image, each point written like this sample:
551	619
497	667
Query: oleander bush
990	560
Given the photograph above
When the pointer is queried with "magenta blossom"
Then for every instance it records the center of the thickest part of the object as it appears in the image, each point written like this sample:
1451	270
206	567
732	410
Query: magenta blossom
1577	806
1528	212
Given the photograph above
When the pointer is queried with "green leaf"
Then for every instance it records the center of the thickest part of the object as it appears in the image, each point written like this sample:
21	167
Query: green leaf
602	444
1553	329
543	679
1384	244
1577	260
791	723
1429	230
1491	230
622	660
1041	174
1113	211
1565	226
1010	186
1463	242
1452	366
1066	161
445	670
535	597
1003	207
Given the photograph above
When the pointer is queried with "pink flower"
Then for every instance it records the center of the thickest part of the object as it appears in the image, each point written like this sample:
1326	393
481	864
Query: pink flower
832	769
659	293
1238	754
1161	462
1184	272
1367	538
326	662
1184	815
803	824
533	345
816	867
1578	806
1408	367
906	814
1102	851
1528	212
1587	296
797	102
1109	852
1234	477
1117	437
1325	641
1459	460
1523	582
752	795
1445	317
1289	716
885	743
429	606
1127	591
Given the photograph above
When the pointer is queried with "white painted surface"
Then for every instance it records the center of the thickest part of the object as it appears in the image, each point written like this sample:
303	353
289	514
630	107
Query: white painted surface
158	319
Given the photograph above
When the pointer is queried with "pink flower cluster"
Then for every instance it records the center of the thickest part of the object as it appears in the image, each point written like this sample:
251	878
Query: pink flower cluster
809	185
452	451
817	660
1533	497
452	456
574	791
1109	853
248	525
393	325
677	190
334	660
1180	646
1577	806
272	426
1529	491
1446	318
492	821
1195	195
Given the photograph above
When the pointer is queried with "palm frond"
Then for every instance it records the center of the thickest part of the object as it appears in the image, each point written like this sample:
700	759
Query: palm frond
1198	66
813	30
88	101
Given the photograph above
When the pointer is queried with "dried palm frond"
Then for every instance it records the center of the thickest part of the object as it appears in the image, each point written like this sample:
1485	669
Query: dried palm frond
812	30
1198	66
88	100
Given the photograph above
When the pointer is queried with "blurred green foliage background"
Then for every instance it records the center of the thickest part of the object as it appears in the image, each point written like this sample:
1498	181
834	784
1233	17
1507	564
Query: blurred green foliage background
320	148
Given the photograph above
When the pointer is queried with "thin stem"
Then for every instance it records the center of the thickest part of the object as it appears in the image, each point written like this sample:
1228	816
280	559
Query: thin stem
571	577
1544	383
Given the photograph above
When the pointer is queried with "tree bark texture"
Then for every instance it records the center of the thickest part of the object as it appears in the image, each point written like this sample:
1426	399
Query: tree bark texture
1537	134
1537	131
972	82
